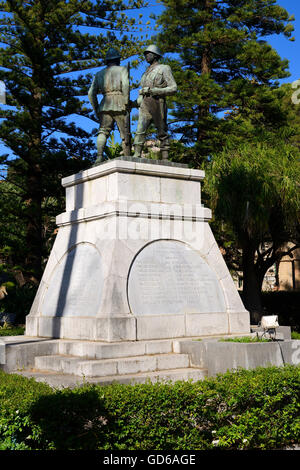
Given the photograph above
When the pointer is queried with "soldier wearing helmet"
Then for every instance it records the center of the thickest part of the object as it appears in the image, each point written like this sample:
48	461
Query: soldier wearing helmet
113	83
156	83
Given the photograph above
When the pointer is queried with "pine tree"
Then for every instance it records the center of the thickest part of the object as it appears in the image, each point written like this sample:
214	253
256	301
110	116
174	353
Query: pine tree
221	50
48	46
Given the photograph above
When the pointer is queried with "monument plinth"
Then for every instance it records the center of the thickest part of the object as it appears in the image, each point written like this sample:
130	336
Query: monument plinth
135	259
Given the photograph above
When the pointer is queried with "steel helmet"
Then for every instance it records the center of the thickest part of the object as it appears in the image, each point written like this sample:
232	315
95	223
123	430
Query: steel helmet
154	49
112	54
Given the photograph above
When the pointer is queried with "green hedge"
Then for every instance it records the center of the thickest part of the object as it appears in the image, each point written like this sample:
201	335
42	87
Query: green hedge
256	409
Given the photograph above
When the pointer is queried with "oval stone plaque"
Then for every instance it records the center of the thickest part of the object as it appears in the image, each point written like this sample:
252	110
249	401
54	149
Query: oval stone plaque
75	288
168	277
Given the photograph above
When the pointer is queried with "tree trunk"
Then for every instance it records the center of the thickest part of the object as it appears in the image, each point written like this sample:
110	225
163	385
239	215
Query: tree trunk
34	235
203	110
251	285
34	238
206	62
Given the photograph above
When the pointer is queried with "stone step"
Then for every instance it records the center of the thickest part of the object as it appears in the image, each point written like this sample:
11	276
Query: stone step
19	352
98	350
57	380
110	367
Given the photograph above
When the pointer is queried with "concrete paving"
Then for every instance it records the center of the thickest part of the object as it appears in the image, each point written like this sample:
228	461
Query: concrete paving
60	381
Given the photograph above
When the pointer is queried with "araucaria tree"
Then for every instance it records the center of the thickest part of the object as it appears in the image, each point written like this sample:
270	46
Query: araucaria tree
47	46
221	59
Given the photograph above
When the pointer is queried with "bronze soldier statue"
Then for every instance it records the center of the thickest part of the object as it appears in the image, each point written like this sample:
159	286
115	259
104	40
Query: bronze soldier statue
156	83
113	83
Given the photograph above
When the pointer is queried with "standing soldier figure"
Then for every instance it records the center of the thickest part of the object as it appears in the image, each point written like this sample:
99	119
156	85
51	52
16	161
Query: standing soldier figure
113	83
156	83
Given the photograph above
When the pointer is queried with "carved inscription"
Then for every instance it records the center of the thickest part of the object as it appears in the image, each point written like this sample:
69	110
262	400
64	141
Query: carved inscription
169	277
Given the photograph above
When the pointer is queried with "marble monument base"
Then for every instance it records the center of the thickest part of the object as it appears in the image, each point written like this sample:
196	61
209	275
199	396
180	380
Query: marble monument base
135	259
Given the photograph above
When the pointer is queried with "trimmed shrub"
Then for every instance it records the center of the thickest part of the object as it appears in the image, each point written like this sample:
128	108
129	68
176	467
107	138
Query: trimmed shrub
246	409
17	395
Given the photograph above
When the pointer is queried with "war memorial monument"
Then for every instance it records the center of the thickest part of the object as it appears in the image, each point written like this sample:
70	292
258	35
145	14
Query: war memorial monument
135	270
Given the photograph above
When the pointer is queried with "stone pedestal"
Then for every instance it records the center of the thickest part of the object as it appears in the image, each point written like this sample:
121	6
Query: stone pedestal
135	259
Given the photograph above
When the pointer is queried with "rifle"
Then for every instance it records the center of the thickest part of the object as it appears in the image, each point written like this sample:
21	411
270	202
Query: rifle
127	125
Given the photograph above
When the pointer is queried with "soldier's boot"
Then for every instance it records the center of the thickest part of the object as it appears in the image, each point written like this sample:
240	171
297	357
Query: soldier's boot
164	154
101	142
138	151
98	160
126	149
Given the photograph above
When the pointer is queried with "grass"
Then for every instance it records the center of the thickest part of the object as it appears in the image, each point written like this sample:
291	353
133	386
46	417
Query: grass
295	335
246	339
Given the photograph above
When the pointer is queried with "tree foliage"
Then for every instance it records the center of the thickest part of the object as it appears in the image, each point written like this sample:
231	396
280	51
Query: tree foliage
254	188
220	48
